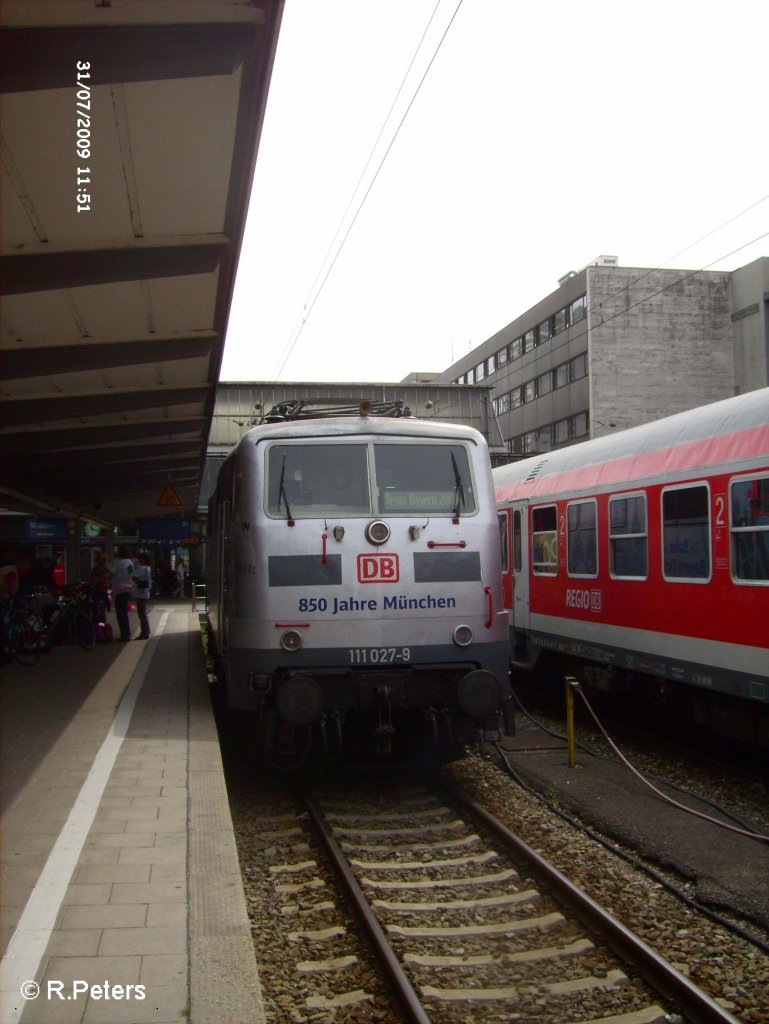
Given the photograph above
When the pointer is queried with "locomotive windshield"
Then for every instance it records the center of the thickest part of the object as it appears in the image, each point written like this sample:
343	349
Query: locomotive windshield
423	478
310	480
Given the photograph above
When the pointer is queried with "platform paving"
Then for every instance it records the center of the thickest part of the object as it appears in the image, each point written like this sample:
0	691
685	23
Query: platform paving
119	880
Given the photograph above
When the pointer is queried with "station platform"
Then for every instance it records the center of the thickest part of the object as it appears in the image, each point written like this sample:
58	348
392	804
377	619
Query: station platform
120	887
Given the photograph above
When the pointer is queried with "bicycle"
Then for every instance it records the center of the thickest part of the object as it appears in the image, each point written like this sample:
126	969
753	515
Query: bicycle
71	622
24	632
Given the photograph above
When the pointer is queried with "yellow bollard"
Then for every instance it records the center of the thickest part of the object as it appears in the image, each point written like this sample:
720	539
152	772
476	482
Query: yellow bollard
571	686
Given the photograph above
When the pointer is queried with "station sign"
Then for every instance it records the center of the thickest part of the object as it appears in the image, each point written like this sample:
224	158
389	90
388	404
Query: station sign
168	530
37	531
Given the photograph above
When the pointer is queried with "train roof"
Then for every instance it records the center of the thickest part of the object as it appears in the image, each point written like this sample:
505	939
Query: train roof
729	431
355	426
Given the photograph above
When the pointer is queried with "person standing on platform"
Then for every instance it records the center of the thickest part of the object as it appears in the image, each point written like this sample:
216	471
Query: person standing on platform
142	590
180	573
122	590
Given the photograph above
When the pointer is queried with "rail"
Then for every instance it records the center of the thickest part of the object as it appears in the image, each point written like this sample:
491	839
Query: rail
409	1000
696	1005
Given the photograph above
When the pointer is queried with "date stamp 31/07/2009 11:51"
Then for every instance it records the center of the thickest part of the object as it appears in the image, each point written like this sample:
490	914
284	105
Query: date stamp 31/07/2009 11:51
83	135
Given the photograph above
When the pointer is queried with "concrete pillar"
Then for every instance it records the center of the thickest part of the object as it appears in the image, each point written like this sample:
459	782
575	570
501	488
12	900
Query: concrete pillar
72	551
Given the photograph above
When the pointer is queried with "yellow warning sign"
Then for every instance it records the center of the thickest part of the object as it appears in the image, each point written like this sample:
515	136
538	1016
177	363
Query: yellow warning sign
169	498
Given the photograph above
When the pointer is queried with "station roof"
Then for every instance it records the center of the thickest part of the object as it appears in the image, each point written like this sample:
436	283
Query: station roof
129	138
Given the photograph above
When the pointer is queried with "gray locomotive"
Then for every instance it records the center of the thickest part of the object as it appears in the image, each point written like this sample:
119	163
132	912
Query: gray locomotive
354	583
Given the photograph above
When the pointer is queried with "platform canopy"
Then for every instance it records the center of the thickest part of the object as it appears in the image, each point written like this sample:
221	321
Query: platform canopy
129	137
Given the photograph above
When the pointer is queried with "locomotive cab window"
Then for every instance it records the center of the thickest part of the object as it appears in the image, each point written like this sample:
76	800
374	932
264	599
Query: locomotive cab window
686	533
628	541
418	478
310	480
544	541
749	527
582	539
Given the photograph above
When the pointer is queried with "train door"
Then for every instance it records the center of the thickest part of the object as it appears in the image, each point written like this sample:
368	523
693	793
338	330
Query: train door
505	537
520	565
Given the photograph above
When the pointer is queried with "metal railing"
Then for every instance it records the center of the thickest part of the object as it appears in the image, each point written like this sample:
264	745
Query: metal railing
199	596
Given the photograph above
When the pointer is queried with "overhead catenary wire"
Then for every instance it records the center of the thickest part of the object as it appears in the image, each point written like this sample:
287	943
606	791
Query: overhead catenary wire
646	298
702	238
303	314
310	304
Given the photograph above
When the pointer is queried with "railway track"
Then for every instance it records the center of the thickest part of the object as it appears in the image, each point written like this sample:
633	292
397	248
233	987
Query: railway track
467	922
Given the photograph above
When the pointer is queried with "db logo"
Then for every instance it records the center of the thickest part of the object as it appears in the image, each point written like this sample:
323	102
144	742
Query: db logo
378	569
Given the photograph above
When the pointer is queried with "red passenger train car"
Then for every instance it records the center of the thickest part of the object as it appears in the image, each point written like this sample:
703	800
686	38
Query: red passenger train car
644	556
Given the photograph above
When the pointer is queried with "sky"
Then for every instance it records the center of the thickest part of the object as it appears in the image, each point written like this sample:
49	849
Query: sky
543	135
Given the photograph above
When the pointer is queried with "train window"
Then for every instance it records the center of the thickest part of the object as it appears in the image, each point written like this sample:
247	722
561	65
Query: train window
305	481
686	533
544	541
502	517
628	541
749	521
517	541
582	539
423	478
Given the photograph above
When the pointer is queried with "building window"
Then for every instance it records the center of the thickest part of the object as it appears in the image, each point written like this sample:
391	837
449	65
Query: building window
579	367
561	431
686	533
530	441
582	539
516	398
480	372
561	375
749	521
503	403
491	364
560	320
529	340
545	330
628	542
578	309
545	438
516	445
579	425
544	541
529	391
545	383
502	357
516	348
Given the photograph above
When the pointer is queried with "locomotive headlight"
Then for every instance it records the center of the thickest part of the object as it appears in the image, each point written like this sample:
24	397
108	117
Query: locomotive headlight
291	640
377	532
463	636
